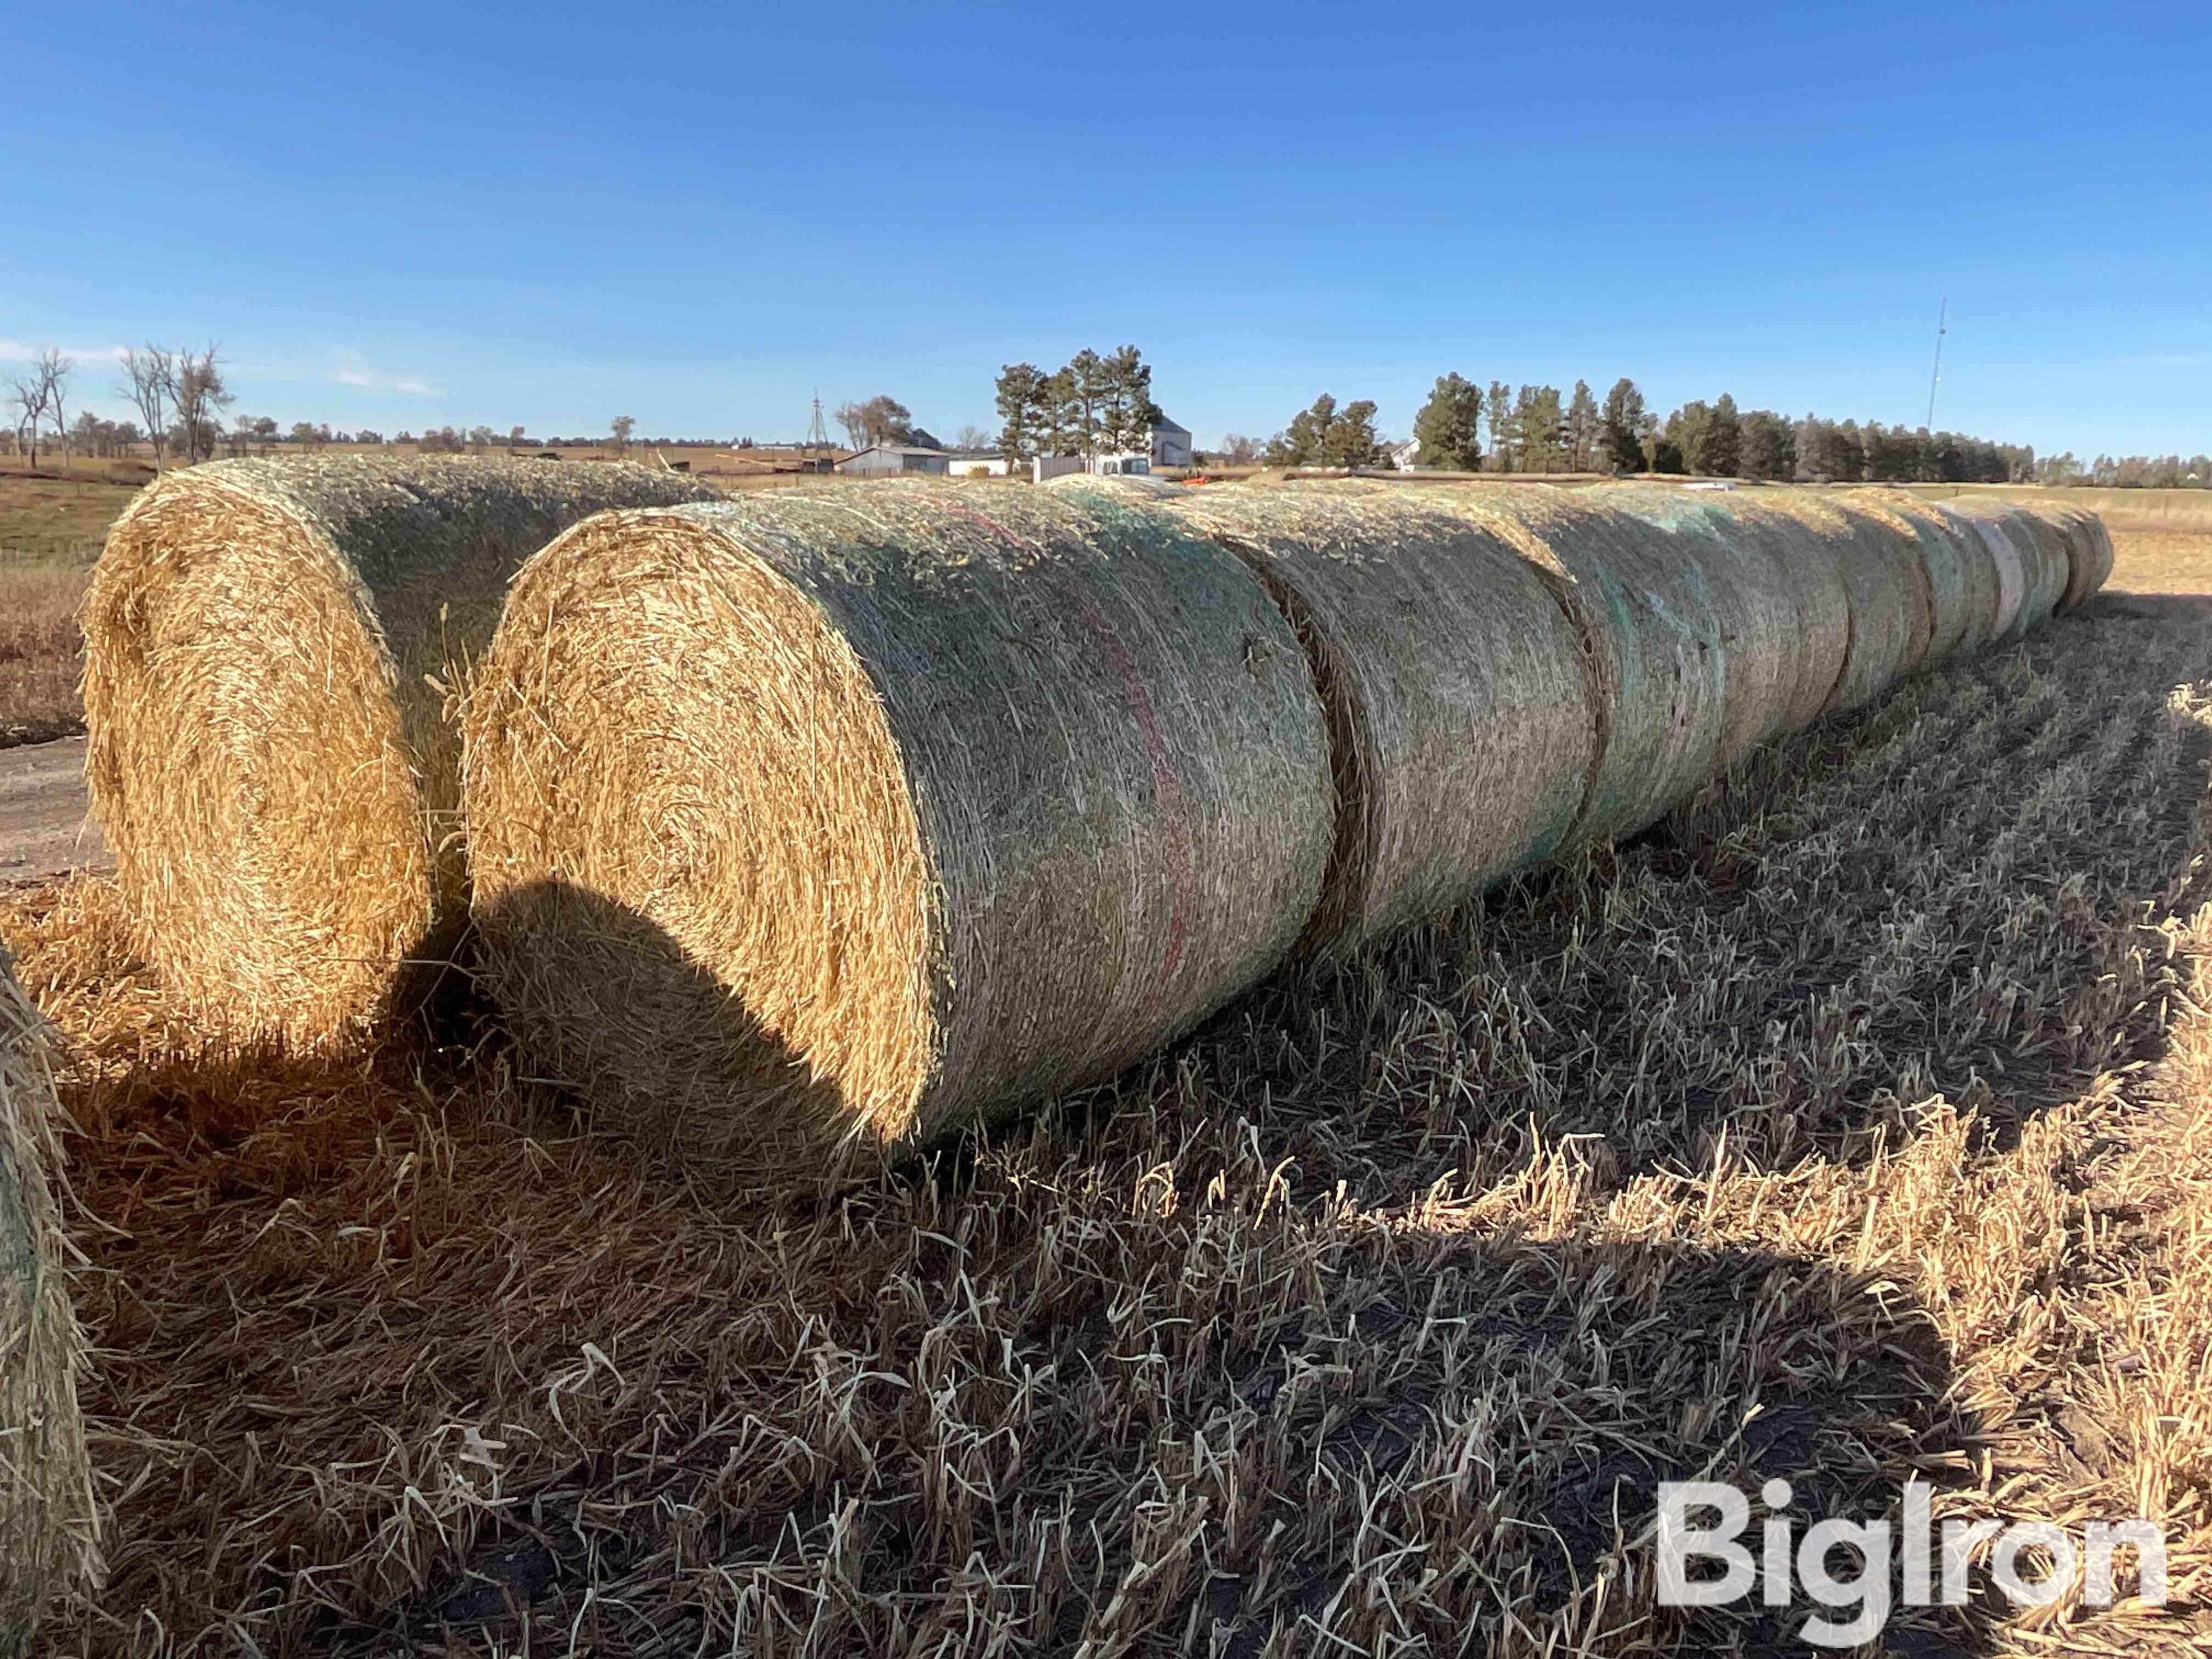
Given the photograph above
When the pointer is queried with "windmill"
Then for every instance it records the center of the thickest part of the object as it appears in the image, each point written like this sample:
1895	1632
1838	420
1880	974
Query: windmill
817	435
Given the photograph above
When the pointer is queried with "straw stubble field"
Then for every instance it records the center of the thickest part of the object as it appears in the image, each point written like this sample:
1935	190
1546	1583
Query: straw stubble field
1849	1127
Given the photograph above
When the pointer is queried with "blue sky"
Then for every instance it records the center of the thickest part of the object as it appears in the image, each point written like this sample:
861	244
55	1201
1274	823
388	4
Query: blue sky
399	216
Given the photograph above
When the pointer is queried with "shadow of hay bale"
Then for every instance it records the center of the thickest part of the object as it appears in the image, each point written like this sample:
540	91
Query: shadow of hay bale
618	977
1501	1411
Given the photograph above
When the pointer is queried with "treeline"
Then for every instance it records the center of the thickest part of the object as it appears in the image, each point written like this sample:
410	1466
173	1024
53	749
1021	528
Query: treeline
2131	471
1096	403
1532	428
1466	426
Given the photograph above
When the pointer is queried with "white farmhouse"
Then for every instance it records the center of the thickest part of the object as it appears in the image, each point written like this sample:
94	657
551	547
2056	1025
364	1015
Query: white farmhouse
1171	447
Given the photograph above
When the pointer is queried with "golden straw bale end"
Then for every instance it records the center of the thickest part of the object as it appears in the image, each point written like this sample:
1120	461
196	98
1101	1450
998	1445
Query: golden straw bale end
270	650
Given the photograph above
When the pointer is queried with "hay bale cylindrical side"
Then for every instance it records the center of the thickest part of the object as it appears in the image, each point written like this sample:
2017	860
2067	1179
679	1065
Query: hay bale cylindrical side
814	825
1141	485
2033	566
2089	548
1892	619
1824	606
2005	560
268	650
1962	577
2052	577
1460	717
1651	637
1782	627
49	1517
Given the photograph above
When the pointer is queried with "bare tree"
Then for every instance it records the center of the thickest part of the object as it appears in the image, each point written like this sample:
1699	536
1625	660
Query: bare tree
55	368
854	419
971	437
147	378
622	426
198	395
28	393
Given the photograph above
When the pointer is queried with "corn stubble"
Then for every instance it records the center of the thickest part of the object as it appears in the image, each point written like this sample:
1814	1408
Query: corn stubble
1847	1129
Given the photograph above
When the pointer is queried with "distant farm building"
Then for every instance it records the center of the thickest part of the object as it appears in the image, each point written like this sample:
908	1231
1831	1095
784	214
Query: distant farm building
1170	444
1407	456
897	458
1171	447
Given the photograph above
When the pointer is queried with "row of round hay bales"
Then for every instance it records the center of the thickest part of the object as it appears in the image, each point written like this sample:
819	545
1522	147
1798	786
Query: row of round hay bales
831	818
1448	675
49	1517
270	647
818	822
956	909
1701	636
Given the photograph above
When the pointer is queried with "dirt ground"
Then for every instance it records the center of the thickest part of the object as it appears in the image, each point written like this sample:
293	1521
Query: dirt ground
45	828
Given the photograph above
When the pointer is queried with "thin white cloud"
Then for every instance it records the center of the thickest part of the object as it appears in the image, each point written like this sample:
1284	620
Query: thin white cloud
25	351
354	370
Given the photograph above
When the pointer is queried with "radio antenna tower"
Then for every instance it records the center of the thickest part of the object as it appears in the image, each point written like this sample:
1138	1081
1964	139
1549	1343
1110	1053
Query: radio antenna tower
817	435
1943	317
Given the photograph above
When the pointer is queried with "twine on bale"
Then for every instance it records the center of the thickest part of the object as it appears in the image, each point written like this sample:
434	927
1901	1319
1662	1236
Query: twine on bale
814	824
270	650
1461	726
49	1517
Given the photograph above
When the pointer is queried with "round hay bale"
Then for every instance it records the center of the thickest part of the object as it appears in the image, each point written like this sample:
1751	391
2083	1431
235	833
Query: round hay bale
2089	550
2005	561
2052	570
1460	719
1885	583
1962	577
49	1517
1781	627
2033	567
1651	638
1824	608
269	647
1139	484
807	826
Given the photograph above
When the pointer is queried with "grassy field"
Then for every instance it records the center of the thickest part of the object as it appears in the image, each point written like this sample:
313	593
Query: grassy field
1855	1125
51	531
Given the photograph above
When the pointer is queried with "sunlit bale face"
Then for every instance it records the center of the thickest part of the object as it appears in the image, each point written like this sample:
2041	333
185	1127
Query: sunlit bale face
270	651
